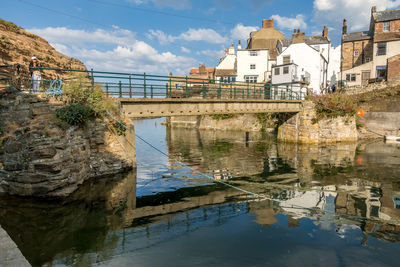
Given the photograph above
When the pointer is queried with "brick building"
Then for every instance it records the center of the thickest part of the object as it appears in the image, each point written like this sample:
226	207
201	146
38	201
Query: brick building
372	54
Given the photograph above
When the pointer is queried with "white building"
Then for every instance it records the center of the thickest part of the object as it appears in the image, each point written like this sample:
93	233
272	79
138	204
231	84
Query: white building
226	71
254	63
308	59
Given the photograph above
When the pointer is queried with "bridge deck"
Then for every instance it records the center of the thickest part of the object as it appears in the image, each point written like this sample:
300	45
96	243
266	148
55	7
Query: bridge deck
157	107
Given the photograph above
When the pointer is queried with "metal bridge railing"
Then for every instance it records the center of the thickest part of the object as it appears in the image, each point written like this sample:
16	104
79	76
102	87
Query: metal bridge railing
134	85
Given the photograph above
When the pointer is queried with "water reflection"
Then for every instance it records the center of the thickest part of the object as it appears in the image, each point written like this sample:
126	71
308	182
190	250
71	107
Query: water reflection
332	204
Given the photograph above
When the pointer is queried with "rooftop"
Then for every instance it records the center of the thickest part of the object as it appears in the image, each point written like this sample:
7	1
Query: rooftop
387	15
310	40
356	36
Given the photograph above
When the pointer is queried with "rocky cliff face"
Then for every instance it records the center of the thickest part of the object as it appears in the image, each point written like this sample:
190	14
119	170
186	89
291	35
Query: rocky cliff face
17	46
41	157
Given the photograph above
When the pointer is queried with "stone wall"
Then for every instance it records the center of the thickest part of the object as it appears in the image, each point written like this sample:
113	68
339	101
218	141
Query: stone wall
303	128
239	122
40	158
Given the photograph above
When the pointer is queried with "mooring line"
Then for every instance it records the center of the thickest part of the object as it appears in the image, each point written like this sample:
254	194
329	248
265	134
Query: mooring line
183	164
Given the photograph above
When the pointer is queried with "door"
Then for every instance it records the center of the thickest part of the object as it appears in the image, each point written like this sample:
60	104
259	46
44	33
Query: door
365	77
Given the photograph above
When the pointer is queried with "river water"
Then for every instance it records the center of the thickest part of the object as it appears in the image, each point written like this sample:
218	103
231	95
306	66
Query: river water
332	205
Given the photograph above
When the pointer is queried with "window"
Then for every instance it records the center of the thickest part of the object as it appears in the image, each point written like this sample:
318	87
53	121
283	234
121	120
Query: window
356	53
253	53
251	79
226	79
386	26
381	49
286	59
381	72
252	66
277	71
368	59
285	70
351	77
233	79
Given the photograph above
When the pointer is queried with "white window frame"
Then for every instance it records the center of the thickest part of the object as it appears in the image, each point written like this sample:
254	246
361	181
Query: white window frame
251	79
351	77
285	70
356	53
386	26
277	71
252	66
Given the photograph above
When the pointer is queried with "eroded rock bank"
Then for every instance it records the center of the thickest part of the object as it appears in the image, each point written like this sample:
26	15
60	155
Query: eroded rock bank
41	157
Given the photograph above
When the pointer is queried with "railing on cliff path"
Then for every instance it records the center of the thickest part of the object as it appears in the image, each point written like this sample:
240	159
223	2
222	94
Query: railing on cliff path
134	85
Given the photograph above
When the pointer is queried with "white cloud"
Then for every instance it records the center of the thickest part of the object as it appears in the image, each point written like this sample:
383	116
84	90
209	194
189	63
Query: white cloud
290	23
126	53
185	50
241	32
324	4
215	54
205	35
176	4
357	12
163	38
81	37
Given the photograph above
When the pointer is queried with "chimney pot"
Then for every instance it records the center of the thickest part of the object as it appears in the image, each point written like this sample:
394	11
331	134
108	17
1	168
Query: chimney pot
344	30
294	31
325	32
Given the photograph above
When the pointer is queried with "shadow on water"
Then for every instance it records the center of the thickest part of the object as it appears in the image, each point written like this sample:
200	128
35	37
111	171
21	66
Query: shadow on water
334	204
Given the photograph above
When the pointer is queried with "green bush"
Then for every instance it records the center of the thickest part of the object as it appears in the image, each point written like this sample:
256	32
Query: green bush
334	105
80	91
119	128
74	114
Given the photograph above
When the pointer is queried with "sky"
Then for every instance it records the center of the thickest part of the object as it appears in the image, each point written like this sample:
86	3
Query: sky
163	36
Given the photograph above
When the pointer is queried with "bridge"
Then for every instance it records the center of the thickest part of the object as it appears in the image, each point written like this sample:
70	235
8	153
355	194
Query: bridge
146	95
164	107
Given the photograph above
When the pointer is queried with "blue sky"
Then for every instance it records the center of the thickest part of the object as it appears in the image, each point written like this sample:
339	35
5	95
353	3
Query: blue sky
159	36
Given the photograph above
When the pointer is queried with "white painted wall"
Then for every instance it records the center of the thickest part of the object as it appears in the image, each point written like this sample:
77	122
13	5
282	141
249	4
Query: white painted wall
334	63
227	63
244	60
392	49
285	78
308	59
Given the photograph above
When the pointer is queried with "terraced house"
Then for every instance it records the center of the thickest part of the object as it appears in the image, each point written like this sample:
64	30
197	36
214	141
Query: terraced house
372	55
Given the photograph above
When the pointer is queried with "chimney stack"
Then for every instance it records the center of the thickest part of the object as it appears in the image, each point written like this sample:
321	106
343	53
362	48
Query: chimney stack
239	45
325	32
344	30
373	9
268	23
294	31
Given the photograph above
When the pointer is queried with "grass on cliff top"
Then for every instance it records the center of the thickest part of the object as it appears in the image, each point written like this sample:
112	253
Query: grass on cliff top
12	27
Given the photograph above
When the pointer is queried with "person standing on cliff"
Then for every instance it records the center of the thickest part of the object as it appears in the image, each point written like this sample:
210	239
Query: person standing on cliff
35	74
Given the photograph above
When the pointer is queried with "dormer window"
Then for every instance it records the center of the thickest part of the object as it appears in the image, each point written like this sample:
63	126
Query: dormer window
386	26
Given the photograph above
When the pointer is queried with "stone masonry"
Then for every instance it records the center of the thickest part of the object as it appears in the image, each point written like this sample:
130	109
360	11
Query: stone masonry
39	158
303	128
